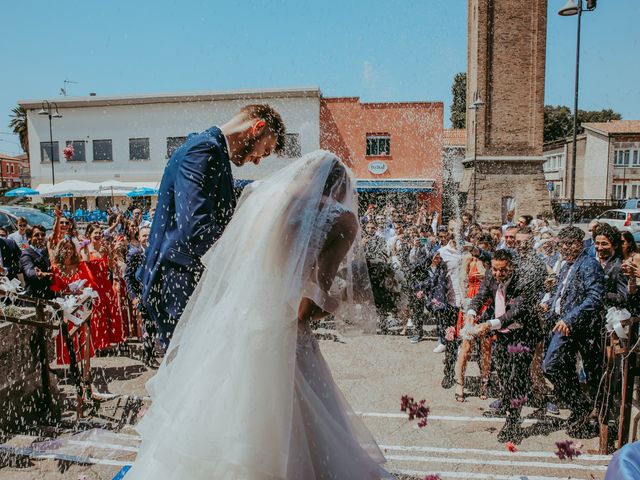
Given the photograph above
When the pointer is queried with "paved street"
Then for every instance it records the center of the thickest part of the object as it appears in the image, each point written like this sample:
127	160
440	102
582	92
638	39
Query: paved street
373	372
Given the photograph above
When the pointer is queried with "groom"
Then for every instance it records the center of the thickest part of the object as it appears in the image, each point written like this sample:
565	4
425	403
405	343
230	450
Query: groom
195	203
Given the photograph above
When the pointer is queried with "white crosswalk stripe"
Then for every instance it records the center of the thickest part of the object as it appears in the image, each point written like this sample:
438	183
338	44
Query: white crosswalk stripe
415	460
483	476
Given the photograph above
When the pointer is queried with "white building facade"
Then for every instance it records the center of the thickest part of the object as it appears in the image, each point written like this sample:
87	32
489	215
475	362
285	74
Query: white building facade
131	138
554	170
607	163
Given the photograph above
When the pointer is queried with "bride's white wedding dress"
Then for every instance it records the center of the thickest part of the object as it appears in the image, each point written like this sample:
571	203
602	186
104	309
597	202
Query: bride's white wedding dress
244	392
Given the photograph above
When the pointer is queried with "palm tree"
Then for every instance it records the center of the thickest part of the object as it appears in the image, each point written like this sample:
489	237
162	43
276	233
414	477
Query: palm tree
19	125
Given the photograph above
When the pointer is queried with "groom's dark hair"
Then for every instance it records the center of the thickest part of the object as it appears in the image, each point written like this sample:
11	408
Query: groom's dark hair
271	118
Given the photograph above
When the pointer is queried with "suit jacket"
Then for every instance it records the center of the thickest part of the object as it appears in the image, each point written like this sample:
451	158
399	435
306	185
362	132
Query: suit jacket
582	302
10	256
615	283
29	260
520	317
437	288
195	204
133	271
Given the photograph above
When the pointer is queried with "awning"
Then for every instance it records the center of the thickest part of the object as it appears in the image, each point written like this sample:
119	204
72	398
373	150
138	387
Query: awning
76	188
79	188
396	185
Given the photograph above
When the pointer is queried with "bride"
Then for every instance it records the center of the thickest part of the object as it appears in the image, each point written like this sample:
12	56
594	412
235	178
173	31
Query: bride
243	391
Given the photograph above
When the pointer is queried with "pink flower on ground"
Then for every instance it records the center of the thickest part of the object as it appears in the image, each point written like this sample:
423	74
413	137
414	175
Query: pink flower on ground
511	447
567	449
432	477
415	409
405	400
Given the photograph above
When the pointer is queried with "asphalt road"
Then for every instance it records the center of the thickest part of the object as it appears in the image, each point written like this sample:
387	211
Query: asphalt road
373	373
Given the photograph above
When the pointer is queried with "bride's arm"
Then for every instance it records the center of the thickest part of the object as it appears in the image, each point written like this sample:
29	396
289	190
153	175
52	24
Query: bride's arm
338	243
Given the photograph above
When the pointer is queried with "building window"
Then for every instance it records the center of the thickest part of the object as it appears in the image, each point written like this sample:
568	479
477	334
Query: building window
621	158
635	190
378	145
636	158
619	192
139	149
13	169
292	147
79	153
46	152
173	143
102	151
554	162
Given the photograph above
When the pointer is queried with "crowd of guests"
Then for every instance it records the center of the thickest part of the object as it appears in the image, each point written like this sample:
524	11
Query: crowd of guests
103	257
526	299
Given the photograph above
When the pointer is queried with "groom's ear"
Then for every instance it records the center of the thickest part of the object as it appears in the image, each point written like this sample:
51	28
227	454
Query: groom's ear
258	127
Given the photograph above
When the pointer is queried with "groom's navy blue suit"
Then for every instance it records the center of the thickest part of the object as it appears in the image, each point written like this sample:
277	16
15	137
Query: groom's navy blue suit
195	203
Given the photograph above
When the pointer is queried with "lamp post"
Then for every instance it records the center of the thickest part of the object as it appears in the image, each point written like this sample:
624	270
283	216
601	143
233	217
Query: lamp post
48	109
477	103
570	9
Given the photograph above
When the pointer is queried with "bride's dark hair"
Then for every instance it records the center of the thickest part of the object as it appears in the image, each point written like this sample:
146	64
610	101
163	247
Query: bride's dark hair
337	183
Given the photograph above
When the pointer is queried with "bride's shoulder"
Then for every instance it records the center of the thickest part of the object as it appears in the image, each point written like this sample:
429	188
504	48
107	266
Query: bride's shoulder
345	222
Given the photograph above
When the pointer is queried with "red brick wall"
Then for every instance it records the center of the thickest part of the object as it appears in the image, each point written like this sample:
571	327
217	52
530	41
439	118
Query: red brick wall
8	177
416	131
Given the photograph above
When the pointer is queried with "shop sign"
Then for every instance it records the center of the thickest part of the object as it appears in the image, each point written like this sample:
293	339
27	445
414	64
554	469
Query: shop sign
378	167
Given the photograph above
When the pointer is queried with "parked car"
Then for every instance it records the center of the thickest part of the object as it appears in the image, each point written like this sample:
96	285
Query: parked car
562	211
632	204
9	217
623	219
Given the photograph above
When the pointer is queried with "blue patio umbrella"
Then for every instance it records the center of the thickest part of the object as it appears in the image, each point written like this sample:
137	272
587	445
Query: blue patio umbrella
142	192
21	192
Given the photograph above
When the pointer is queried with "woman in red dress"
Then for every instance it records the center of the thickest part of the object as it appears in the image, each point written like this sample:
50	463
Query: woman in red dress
106	321
475	270
66	268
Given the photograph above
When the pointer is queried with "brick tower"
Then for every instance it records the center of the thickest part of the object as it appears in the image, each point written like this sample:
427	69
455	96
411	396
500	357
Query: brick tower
505	67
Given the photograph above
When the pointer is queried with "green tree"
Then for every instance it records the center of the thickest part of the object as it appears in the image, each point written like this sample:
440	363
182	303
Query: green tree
18	124
558	120
459	104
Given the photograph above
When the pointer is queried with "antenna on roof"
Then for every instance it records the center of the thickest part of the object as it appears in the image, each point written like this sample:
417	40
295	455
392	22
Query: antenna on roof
63	90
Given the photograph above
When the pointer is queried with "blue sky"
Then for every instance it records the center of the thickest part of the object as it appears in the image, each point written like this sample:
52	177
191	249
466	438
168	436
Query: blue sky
388	50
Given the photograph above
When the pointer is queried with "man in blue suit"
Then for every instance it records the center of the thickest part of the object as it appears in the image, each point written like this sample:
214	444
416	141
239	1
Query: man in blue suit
575	310
195	203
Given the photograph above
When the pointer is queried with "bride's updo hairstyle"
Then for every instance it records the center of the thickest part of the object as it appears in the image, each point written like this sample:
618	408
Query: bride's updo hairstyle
338	183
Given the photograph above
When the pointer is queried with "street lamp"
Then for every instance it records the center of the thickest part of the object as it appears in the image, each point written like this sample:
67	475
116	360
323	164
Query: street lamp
477	103
575	8
48	109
